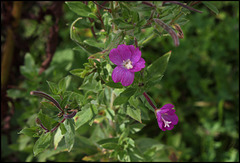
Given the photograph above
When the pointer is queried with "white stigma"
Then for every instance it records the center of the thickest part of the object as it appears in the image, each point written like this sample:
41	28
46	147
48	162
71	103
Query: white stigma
166	123
127	64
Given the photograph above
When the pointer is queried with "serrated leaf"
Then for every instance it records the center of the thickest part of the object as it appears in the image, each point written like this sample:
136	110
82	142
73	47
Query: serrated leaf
42	143
134	113
70	134
124	96
210	6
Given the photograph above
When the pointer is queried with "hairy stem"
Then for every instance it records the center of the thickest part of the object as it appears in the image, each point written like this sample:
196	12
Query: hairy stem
149	100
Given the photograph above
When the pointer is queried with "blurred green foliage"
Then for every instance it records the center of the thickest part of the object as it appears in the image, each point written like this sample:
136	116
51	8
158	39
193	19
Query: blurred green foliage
201	80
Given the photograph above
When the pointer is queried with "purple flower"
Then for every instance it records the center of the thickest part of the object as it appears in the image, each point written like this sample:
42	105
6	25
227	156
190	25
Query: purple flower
166	117
128	60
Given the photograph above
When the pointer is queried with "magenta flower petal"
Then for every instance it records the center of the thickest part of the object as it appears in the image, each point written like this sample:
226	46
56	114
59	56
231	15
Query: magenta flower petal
167	106
128	78
136	54
166	117
115	57
124	52
118	73
138	66
128	60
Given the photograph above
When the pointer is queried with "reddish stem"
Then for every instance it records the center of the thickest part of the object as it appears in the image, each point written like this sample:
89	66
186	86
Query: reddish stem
52	130
149	100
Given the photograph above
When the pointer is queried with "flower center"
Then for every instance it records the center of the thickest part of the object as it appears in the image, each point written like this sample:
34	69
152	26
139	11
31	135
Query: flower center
166	123
127	64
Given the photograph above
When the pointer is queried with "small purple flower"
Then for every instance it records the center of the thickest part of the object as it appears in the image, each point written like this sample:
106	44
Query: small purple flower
128	60
166	117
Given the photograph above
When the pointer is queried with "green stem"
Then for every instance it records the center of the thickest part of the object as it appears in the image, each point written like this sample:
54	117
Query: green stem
112	99
148	39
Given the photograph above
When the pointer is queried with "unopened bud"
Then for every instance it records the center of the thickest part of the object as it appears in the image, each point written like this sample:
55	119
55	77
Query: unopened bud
179	31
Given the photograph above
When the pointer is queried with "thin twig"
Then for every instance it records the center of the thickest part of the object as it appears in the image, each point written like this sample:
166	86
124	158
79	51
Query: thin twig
92	29
100	17
52	130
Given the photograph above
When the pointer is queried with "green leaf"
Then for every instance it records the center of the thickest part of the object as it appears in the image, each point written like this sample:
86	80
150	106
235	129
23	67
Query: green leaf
15	93
62	85
134	102
124	96
136	127
109	146
157	68
57	138
76	36
125	26
53	87
84	116
81	9
108	140
146	143
91	84
46	120
117	40
134	113
135	16
29	70
63	129
47	105
99	54
210	6
78	72
114	85
94	43
70	134
29	131
42	143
